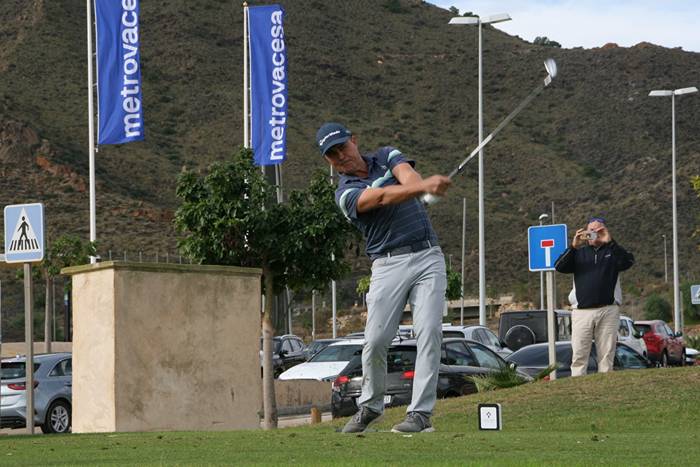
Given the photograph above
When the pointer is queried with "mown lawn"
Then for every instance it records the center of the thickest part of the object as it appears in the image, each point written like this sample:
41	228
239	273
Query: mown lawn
628	418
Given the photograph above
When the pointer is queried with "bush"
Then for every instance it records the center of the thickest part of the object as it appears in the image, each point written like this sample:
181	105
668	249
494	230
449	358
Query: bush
543	40
657	307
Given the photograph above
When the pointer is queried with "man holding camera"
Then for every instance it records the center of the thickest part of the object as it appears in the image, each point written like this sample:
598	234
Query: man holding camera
595	260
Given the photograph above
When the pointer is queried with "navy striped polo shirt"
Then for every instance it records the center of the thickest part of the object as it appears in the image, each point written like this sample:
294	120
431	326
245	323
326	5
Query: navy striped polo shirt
387	227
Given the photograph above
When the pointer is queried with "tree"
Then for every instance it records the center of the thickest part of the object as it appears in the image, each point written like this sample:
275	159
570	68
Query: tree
229	217
454	285
543	40
657	307
454	10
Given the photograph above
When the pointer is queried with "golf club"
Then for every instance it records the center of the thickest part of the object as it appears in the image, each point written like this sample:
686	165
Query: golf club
551	66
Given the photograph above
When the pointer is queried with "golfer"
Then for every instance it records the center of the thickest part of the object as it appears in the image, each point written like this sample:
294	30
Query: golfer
378	192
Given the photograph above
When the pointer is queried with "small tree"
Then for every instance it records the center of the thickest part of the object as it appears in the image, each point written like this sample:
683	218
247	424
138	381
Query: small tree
657	307
454	10
229	217
543	40
454	285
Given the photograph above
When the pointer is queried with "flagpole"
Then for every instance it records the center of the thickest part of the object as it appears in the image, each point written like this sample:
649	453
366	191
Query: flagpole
91	129
246	124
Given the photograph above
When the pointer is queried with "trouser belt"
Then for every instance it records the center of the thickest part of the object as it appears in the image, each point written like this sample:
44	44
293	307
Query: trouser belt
402	250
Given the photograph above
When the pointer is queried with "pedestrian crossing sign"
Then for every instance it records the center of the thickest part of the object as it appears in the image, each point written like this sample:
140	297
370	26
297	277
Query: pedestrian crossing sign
24	233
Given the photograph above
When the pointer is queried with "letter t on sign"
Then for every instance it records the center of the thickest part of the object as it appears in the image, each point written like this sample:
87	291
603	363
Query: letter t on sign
547	245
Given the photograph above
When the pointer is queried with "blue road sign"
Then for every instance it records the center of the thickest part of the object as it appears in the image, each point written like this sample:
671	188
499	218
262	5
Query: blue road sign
695	294
24	233
545	243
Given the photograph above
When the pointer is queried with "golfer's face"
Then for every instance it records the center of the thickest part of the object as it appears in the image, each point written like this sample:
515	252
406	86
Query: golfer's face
345	158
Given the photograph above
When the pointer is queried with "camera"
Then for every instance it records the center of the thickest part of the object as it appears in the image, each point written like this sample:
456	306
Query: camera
589	235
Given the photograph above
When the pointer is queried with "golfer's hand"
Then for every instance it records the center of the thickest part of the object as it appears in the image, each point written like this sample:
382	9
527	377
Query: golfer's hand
436	185
578	240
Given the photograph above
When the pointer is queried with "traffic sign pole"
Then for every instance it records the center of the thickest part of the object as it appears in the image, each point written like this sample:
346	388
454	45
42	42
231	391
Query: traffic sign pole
29	341
551	325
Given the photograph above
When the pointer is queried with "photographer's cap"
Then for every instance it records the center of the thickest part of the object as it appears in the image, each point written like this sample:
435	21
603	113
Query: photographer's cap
330	134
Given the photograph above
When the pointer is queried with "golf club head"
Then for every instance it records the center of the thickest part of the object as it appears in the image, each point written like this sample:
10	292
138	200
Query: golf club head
429	199
551	66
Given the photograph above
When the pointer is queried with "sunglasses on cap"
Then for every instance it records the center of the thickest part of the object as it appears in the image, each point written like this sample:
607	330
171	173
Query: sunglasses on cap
597	219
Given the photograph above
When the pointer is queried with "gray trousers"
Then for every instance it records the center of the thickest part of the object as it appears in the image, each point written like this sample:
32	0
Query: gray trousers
419	279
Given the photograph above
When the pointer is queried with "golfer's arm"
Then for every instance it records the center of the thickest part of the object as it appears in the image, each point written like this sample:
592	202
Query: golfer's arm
410	186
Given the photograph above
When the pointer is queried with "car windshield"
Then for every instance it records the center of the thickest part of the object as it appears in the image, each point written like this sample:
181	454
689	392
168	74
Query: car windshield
337	353
275	345
642	328
14	370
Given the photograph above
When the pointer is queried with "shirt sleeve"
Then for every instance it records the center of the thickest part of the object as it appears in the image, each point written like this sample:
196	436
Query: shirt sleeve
346	199
396	157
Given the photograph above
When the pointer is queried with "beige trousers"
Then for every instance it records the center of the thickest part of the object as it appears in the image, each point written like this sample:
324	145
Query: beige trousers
600	324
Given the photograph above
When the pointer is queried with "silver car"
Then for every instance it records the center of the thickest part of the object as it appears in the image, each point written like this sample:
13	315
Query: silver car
477	333
52	392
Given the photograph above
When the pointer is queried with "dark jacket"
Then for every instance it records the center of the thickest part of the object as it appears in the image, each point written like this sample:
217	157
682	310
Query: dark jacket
595	272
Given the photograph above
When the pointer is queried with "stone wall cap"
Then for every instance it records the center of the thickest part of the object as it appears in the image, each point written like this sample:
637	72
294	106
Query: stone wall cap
162	267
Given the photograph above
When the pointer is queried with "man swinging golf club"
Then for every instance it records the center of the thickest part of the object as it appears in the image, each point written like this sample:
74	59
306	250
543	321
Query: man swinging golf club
378	193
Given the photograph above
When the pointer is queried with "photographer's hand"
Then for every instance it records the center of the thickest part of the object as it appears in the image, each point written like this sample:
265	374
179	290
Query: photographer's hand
578	240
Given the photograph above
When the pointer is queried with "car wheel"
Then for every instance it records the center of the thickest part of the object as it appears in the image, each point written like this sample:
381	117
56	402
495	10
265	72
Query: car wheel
58	418
518	337
664	360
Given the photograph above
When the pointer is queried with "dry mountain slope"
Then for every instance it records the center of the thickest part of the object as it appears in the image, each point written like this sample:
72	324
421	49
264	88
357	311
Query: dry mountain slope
594	143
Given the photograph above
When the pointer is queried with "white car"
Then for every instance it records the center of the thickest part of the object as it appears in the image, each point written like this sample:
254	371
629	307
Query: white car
629	335
480	334
325	365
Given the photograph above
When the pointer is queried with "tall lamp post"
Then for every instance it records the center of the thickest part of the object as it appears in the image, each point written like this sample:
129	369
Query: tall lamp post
471	20
676	288
665	260
543	217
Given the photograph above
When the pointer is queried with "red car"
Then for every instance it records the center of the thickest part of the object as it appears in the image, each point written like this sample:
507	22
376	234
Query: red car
663	345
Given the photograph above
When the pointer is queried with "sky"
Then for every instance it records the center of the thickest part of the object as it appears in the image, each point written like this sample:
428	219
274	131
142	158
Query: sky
594	23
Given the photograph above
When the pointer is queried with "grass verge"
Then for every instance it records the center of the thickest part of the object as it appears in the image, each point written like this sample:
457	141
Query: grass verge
626	418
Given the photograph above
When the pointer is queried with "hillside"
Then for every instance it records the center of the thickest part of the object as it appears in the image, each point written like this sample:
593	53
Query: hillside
593	144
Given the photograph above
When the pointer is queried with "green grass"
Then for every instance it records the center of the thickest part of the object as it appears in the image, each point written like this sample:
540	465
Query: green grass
630	418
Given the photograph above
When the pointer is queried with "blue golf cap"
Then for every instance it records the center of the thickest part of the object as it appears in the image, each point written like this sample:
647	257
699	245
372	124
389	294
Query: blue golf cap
330	134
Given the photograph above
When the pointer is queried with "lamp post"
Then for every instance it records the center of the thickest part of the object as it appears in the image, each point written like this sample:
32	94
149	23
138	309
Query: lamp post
543	217
470	20
676	288
665	260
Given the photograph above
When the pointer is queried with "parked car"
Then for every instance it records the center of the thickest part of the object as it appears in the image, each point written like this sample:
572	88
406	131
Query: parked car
480	334
691	357
664	347
325	365
287	351
518	329
52	392
535	358
628	334
316	346
460	358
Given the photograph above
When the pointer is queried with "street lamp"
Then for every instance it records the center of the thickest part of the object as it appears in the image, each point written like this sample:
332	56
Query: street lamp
543	217
470	20
665	260
676	289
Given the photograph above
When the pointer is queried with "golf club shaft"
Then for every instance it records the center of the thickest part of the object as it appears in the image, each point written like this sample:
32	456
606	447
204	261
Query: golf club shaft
500	126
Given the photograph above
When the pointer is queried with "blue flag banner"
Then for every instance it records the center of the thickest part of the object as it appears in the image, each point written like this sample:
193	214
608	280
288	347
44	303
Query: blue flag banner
268	65
118	71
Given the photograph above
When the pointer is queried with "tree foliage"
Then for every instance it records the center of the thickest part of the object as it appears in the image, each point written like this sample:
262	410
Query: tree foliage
454	285
65	251
657	307
543	40
228	217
